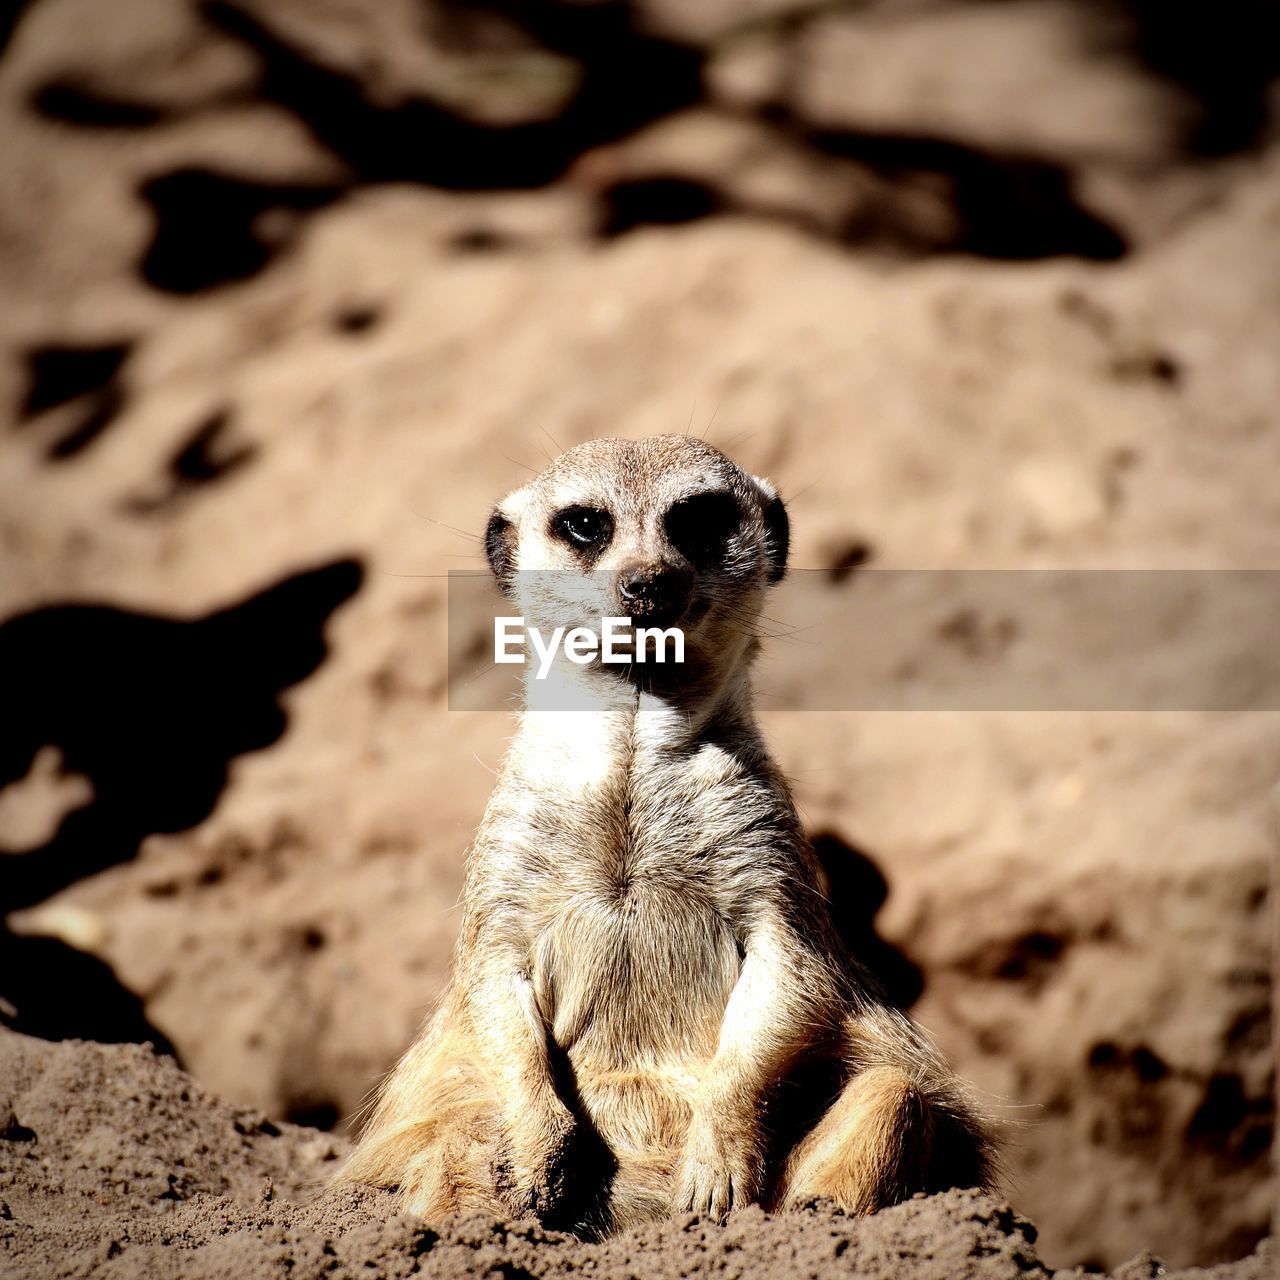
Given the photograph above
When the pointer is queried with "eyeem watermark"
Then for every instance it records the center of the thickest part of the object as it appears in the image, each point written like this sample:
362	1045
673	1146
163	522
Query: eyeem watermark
900	640
617	643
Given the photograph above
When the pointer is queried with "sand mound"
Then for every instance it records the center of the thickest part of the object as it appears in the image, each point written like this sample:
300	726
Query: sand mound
115	1163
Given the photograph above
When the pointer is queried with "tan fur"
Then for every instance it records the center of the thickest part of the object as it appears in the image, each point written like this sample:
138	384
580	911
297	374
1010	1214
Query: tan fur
651	1010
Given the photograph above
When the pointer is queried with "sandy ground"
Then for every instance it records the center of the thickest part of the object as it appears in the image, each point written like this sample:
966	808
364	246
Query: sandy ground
114	1163
260	365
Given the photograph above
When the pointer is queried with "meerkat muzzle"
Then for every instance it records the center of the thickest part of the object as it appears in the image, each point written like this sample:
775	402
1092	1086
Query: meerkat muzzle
654	593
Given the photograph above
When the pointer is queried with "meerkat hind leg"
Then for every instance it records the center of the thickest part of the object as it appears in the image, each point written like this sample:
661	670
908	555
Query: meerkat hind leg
453	1170
436	1138
883	1139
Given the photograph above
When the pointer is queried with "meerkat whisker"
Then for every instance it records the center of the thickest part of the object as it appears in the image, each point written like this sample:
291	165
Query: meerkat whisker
461	533
515	462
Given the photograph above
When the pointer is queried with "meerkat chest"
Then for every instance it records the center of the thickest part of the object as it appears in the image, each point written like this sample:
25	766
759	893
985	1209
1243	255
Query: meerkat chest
640	920
639	972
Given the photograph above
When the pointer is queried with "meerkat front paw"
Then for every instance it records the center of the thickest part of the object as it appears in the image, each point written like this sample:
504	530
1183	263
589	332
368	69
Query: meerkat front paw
540	1139
720	1169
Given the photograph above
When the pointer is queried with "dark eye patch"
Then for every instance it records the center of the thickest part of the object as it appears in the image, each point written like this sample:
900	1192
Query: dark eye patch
585	529
700	526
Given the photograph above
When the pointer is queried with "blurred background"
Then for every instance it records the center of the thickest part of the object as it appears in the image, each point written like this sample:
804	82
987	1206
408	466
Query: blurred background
293	290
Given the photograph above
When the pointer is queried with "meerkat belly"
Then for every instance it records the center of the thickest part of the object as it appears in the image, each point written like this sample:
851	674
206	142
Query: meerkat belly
636	975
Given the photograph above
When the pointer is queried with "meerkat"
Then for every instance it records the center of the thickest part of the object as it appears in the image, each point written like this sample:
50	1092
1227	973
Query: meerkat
651	1011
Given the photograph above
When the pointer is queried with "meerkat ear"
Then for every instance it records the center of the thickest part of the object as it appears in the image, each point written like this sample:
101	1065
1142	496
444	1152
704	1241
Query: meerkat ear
777	528
500	550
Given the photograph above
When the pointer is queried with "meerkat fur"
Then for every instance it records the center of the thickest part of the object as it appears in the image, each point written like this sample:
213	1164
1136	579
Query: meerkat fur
651	1010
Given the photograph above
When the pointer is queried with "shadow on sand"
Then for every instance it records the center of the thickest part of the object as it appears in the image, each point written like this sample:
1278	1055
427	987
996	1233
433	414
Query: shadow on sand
151	710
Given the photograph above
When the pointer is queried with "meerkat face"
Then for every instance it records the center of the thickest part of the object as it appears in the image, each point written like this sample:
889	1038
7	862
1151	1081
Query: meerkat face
666	531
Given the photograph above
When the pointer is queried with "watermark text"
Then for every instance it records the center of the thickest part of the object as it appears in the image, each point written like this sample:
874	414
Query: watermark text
618	642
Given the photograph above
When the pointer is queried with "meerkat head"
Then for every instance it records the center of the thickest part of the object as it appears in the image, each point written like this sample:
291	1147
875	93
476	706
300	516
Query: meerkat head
666	531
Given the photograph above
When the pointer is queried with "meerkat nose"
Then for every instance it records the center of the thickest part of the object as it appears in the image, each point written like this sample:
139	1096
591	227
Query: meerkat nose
653	591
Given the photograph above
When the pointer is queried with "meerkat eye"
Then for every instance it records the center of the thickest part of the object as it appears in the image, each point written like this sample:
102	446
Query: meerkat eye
587	527
700	526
